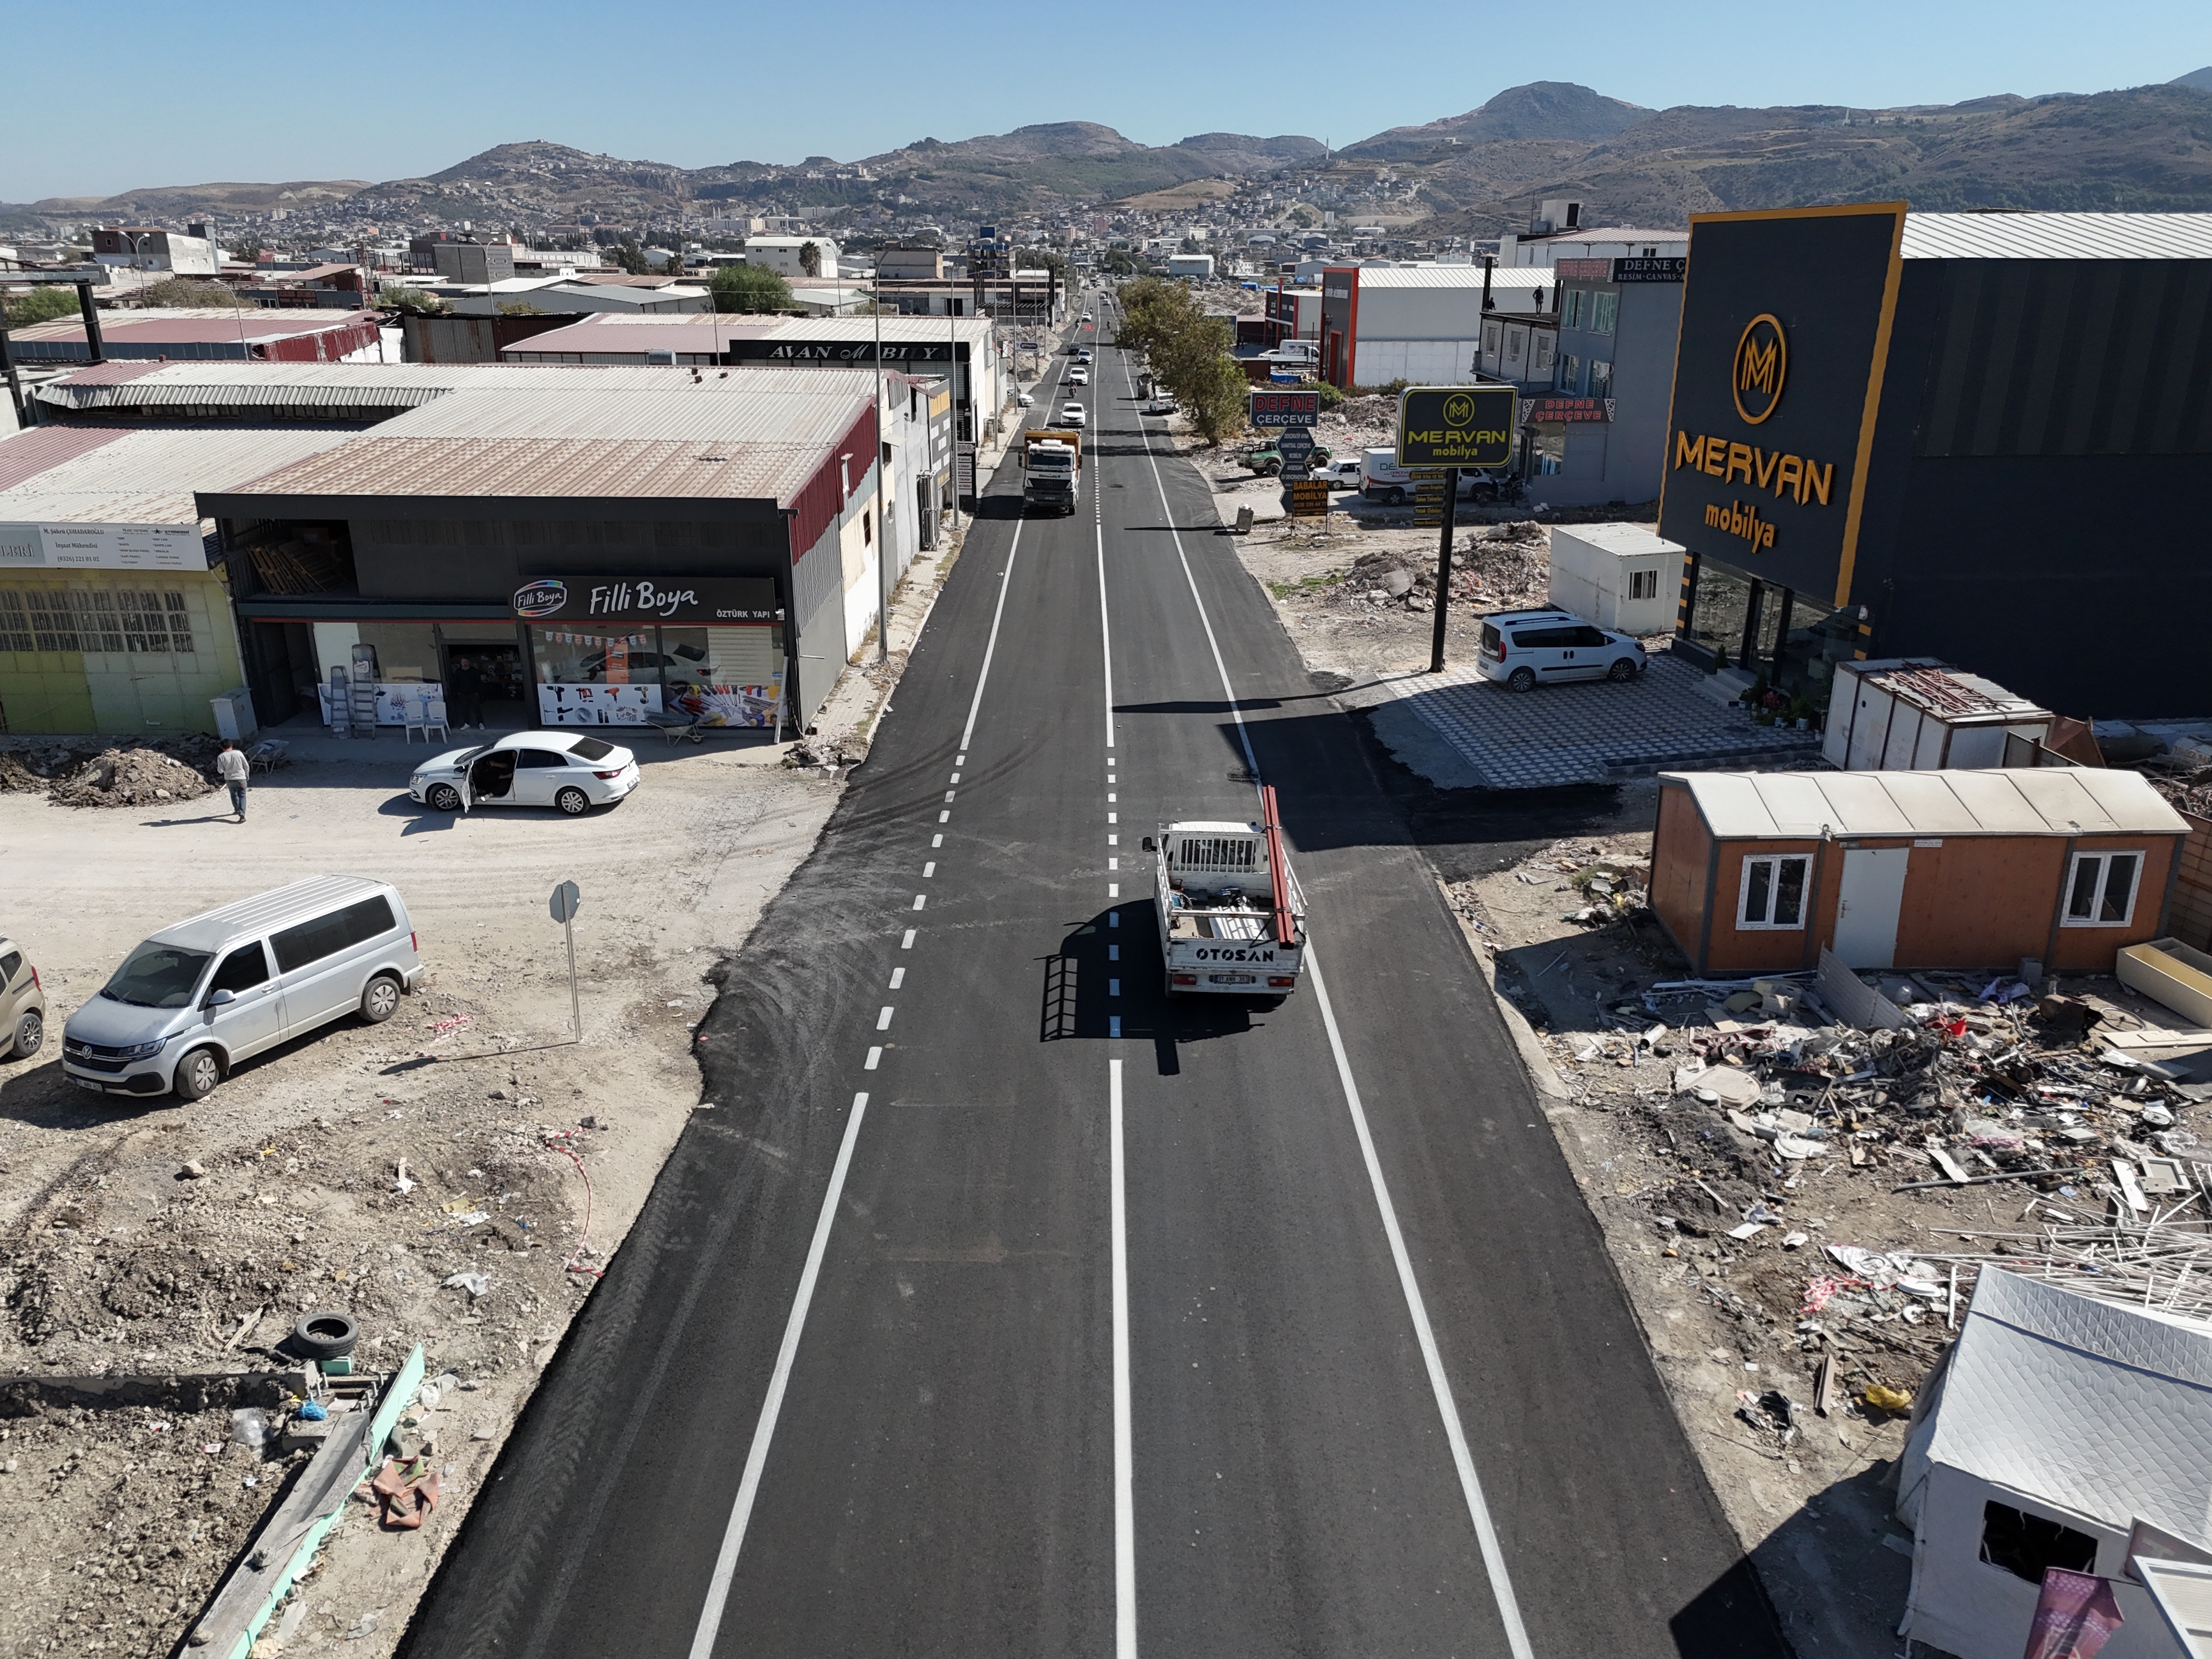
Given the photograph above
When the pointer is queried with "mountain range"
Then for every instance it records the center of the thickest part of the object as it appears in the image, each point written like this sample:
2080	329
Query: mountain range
2147	148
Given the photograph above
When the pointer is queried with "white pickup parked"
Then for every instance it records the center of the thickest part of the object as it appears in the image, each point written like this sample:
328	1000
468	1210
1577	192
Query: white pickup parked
1231	915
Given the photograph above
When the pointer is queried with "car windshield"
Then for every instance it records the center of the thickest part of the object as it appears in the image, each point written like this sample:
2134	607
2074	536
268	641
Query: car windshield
591	748
156	975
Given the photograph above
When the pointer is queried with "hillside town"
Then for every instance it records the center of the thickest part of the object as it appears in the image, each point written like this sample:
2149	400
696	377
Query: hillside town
808	1115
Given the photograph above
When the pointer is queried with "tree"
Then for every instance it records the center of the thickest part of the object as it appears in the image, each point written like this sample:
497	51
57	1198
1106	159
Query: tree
41	305
519	308
629	256
411	302
809	259
180	291
1189	353
749	288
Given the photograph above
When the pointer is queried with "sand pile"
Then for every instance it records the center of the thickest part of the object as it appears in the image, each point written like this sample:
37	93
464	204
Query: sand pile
130	777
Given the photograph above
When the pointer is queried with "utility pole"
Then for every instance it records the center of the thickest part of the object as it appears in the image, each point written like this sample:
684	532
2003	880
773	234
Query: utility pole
1444	569
883	528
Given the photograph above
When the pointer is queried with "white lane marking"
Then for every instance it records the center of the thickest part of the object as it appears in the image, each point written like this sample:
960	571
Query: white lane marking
991	644
1485	1533
1113	953
1125	1517
1114	920
733	1537
1113	988
884	1020
1113	864
874	1055
949	794
898	978
1113	818
1110	797
1113	889
907	943
960	760
1110	777
920	900
1113	1026
1105	631
955	778
937	841
944	818
929	869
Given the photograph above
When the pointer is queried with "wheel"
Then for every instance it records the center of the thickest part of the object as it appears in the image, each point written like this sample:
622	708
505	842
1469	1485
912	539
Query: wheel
323	1334
198	1073
1396	497
1521	679
445	798
573	801
1622	671
30	1032
380	999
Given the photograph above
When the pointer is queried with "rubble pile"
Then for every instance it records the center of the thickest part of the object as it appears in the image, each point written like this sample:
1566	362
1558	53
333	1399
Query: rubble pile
130	777
2186	792
1503	568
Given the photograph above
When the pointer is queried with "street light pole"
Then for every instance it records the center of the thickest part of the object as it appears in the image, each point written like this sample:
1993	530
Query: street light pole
883	527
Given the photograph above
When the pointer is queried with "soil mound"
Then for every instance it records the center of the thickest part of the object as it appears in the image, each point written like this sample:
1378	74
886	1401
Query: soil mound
130	777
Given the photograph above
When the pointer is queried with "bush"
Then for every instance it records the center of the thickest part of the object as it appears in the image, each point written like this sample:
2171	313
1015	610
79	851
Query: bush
182	292
41	305
749	289
411	302
1330	396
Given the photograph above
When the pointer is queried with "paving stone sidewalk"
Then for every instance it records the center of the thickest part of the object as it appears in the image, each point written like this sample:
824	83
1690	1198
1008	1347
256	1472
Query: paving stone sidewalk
1591	732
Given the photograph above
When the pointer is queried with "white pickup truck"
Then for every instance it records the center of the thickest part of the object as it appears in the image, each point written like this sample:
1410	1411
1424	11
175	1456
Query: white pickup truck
1232	917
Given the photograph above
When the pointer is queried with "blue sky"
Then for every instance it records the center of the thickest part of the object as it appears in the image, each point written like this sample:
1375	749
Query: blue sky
173	95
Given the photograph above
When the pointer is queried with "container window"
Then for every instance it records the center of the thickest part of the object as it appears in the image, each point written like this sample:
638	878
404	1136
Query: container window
2100	892
1773	890
1643	584
2026	1545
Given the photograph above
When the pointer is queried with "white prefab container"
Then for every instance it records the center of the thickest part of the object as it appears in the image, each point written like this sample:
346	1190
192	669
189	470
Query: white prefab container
1911	714
1619	576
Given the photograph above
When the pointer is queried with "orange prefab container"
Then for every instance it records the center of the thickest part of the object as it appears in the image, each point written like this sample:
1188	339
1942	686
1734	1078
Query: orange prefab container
1754	871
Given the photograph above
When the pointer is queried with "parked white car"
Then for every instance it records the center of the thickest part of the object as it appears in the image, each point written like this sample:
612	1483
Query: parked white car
1072	415
571	772
1524	649
1023	400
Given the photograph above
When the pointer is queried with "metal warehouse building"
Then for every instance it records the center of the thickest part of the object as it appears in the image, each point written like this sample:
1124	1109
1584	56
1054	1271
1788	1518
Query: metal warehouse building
1424	324
243	333
1981	438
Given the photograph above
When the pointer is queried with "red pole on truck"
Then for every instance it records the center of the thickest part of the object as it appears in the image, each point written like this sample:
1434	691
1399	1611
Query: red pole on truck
1285	923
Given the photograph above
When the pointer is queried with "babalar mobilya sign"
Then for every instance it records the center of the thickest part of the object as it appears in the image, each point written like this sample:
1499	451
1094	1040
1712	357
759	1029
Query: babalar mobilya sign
1455	425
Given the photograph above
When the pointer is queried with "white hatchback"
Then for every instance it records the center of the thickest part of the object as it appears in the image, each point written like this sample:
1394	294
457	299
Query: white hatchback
569	771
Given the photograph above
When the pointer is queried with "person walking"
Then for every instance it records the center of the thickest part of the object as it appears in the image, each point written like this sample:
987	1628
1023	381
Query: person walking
467	687
233	768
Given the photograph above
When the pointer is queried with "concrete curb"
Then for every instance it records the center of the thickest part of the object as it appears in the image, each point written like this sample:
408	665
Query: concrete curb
1541	1071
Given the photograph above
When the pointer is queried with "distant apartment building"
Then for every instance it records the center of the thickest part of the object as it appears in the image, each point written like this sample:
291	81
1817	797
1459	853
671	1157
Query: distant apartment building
793	256
136	247
1557	232
1599	432
470	262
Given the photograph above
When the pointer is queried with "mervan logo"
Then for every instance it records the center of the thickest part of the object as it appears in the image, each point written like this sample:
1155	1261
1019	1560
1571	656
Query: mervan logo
1762	364
540	598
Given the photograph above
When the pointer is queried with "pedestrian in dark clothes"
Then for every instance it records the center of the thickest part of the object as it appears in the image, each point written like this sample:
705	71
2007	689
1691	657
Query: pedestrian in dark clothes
467	689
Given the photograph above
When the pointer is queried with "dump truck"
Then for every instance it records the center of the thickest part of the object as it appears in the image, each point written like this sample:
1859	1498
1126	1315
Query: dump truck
1052	468
1232	917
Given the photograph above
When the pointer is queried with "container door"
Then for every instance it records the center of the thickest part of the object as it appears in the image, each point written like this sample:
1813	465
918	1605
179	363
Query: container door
1870	726
1867	909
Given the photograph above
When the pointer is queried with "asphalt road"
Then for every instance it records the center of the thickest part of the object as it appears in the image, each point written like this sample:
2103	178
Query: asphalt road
1000	1307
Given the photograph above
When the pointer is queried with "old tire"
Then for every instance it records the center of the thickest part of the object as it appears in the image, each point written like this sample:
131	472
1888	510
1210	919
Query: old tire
573	801
1621	672
324	1333
197	1074
1521	679
30	1033
444	798
380	999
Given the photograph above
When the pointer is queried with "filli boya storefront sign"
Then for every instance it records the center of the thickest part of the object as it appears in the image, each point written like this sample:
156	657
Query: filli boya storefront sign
1777	377
669	601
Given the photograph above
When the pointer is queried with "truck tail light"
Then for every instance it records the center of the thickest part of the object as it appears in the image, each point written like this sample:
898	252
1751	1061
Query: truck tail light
35	986
1280	981
1183	979
412	946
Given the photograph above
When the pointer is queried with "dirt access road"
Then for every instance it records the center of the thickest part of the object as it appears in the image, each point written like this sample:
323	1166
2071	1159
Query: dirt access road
112	1262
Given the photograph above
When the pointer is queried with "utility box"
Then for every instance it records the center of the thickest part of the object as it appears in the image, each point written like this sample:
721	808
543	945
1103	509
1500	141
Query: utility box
1905	714
1621	576
234	716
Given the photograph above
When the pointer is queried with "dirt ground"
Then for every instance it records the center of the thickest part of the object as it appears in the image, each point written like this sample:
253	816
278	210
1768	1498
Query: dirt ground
1742	1325
466	1204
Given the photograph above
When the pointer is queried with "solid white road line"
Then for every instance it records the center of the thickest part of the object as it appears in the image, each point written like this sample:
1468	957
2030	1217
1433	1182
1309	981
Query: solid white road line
1485	1533
1125	1514
991	644
733	1537
1105	632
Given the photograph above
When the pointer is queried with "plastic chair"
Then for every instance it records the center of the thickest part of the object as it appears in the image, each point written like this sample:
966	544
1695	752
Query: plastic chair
434	719
414	720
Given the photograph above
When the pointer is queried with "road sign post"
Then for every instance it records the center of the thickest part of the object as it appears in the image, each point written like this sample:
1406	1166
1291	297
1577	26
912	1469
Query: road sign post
566	897
1452	427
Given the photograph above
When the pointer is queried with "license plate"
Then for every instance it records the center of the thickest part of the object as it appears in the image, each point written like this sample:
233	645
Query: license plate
86	1082
1234	979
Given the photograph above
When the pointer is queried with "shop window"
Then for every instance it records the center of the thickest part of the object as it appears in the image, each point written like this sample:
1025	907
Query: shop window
1719	602
155	623
1576	301
1601	380
1773	893
94	620
726	676
1603	313
2100	890
1540	349
1490	338
1570	371
2026	1545
14	624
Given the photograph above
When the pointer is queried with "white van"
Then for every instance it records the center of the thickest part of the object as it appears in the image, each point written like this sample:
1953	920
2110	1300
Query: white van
208	992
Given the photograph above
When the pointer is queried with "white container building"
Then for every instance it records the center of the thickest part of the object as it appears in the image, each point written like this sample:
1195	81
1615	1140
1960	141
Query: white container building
1907	713
1621	577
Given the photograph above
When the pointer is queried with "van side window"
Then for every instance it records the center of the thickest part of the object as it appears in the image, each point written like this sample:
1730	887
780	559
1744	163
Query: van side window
10	965
311	941
368	919
242	970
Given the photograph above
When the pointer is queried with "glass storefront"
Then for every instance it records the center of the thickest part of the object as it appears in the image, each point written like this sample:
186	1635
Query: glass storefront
616	675
1720	604
1793	640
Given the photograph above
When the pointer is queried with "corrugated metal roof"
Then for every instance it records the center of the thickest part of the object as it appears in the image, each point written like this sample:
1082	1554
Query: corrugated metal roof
1943	689
784	414
2053	800
383	385
250	323
2183	1590
25	454
2058	236
134	476
628	468
703	332
1468	277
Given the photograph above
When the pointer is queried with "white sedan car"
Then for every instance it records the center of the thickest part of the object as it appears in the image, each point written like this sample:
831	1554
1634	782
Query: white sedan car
1071	415
569	771
1078	375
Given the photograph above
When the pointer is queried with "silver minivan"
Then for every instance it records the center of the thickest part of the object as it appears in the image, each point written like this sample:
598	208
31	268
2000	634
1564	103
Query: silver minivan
200	996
